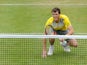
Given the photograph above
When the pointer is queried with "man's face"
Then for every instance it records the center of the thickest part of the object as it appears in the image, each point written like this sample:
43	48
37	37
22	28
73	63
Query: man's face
55	16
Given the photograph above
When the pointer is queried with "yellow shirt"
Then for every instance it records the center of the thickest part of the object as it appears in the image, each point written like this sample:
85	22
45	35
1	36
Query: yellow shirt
63	23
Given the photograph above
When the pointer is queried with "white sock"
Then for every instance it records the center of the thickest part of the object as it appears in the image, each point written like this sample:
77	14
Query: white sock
51	46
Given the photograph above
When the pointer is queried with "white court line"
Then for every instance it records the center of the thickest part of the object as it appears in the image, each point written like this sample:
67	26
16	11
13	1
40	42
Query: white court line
43	4
39	33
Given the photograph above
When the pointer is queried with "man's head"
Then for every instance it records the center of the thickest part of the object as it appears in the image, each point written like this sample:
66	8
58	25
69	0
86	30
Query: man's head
56	13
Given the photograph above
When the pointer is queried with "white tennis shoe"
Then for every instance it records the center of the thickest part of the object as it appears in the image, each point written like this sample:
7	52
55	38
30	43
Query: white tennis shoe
65	46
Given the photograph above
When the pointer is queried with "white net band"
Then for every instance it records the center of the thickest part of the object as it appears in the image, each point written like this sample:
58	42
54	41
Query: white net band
43	36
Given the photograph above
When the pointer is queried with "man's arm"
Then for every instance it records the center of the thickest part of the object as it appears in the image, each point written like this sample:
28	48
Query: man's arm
69	26
71	30
44	46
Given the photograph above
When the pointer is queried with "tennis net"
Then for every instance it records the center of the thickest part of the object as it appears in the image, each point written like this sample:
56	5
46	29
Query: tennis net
25	49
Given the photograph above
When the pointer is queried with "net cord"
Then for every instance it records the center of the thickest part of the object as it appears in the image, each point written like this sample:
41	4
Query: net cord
43	36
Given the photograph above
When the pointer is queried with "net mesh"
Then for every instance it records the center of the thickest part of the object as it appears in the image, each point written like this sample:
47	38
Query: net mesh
28	51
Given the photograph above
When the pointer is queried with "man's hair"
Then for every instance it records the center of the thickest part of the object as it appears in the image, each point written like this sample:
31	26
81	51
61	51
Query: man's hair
56	10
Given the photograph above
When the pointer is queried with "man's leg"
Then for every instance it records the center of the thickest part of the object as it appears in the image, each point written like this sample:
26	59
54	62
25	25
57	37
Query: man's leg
50	31
65	45
63	42
51	48
69	42
73	42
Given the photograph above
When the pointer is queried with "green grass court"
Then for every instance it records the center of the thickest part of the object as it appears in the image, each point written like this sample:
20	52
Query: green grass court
31	19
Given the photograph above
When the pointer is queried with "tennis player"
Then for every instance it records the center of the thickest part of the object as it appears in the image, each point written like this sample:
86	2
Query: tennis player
59	25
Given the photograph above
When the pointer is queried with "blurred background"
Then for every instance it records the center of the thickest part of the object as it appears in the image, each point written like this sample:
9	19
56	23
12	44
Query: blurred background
30	16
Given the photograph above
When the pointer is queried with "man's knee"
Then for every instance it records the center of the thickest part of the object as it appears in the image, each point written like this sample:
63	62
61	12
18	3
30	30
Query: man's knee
51	40
73	43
